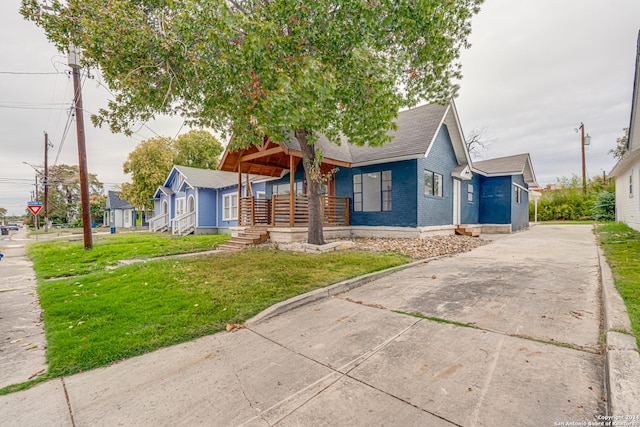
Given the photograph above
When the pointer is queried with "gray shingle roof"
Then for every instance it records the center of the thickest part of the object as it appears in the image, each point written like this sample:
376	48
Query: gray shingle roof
207	178
115	202
510	165
417	128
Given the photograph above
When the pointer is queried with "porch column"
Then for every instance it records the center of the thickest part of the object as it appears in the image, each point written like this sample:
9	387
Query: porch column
239	189
291	191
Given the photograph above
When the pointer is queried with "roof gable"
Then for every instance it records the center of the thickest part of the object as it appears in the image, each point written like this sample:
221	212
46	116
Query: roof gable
417	129
519	164
115	202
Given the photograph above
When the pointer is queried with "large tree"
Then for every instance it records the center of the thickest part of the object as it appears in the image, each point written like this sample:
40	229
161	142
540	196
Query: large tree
149	163
198	149
256	68
64	192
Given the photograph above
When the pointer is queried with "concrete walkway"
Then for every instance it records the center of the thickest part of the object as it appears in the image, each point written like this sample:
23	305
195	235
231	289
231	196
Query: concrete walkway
22	340
508	334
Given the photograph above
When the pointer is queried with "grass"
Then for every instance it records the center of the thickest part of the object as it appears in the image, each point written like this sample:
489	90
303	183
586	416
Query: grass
103	316
69	258
621	245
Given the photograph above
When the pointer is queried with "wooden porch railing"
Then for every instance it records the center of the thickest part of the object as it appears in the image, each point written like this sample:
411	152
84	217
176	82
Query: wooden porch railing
278	211
254	211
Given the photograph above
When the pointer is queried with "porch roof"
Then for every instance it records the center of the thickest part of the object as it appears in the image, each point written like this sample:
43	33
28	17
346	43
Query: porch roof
417	128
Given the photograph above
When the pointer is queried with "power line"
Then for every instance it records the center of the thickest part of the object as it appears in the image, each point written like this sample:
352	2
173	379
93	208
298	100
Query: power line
29	73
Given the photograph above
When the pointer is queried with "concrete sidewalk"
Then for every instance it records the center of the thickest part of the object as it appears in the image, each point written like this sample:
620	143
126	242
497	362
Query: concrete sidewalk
22	340
508	334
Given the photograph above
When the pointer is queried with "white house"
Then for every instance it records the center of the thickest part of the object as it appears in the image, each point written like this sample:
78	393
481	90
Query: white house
627	170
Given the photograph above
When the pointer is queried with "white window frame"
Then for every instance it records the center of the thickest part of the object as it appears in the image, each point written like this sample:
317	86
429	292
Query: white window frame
470	195
180	204
631	184
229	211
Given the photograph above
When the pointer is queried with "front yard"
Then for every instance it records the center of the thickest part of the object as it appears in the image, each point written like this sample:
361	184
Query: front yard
99	316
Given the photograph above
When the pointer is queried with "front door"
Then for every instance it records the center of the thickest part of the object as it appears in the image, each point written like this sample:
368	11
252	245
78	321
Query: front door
456	202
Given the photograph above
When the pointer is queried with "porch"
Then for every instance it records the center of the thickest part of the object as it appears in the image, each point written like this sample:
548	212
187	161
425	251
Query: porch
291	211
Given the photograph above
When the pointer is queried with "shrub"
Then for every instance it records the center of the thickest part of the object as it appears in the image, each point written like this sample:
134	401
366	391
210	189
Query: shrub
604	207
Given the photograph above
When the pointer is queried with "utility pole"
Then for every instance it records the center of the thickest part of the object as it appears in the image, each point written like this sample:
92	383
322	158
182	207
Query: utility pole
47	144
583	141
74	63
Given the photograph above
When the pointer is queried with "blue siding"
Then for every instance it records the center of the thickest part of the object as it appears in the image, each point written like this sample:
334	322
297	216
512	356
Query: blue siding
206	207
222	192
495	200
298	177
520	211
403	211
470	211
434	210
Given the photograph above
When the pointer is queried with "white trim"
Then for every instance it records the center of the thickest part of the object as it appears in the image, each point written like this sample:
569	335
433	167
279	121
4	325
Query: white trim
387	160
518	185
234	212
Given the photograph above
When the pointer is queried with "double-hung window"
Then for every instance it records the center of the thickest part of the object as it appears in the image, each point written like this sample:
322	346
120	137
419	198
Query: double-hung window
470	193
631	184
518	195
230	207
372	192
432	184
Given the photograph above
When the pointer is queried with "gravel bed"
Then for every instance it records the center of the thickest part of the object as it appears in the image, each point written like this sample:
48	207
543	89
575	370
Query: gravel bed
421	248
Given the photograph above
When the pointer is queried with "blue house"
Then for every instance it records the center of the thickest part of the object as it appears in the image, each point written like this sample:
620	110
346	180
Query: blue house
422	182
120	214
200	201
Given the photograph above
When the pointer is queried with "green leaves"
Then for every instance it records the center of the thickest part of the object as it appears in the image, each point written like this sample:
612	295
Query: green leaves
257	68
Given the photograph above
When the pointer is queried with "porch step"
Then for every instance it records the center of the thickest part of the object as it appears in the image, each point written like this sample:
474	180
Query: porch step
249	237
467	230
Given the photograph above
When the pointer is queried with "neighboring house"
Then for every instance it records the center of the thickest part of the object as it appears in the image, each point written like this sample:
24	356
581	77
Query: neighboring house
199	201
120	214
627	170
423	181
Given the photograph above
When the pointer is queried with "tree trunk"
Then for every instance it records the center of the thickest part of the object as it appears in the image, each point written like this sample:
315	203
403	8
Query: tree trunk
314	189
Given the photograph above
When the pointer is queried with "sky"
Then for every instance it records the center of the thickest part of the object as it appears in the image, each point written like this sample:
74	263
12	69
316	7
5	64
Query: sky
535	71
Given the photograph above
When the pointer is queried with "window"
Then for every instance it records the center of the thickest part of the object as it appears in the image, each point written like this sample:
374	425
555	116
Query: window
126	216
284	188
432	184
518	195
230	207
260	195
179	206
470	193
372	192
631	184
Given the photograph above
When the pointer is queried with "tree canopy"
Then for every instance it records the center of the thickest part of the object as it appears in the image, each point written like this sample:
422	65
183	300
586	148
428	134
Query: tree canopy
150	162
64	193
256	68
621	145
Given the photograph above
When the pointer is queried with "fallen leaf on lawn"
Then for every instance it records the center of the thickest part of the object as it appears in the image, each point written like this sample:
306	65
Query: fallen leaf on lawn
234	326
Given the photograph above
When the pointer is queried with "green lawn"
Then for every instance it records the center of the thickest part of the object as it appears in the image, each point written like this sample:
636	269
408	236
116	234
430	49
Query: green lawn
104	315
67	258
621	246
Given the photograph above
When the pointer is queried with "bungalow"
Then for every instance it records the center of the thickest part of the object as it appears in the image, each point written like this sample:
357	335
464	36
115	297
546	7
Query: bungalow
120	214
421	182
627	170
200	201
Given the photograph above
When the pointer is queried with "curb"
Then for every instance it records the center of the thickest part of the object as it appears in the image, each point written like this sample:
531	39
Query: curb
622	360
328	292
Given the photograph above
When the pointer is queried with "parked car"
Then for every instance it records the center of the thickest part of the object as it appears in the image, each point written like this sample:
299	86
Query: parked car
12	226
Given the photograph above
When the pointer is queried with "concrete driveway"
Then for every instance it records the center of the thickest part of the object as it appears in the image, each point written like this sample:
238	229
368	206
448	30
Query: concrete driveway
505	335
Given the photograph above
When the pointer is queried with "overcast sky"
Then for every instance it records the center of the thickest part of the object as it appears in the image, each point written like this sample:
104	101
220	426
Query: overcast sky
536	69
